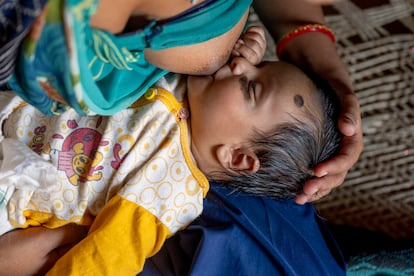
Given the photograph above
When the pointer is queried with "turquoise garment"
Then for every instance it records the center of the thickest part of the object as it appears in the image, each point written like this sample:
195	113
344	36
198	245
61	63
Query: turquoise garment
390	263
96	72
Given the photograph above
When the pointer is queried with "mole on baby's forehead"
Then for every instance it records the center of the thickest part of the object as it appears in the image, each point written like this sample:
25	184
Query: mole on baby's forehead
298	99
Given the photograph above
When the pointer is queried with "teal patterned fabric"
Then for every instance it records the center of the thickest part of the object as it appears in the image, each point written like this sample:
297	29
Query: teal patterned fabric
65	62
392	263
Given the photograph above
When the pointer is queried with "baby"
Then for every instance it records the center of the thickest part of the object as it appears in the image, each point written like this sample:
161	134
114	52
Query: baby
140	175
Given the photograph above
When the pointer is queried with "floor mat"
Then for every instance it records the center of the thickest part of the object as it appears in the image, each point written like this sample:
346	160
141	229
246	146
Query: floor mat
376	41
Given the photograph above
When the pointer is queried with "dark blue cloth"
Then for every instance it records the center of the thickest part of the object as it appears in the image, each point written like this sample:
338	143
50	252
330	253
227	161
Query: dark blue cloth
239	234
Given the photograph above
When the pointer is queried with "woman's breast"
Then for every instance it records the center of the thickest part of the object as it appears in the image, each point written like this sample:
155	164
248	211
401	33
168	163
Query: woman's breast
200	58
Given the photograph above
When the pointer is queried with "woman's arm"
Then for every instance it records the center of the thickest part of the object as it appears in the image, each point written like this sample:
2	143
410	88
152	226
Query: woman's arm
316	52
34	250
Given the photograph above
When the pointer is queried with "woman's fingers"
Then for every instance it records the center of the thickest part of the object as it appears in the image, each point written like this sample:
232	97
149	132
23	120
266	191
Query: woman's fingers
331	173
319	187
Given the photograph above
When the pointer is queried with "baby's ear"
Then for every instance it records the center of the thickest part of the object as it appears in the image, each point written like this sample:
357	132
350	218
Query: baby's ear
238	160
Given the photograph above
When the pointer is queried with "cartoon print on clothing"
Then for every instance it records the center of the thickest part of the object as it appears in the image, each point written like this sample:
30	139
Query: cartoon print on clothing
118	160
37	142
79	157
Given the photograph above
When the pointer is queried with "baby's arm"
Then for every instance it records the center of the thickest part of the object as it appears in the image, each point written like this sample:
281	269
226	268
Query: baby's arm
121	238
251	45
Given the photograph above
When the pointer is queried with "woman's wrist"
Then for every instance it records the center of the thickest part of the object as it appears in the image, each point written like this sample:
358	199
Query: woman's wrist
303	30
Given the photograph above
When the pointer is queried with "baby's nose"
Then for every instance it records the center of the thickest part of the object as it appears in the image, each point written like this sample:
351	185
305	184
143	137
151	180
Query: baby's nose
238	65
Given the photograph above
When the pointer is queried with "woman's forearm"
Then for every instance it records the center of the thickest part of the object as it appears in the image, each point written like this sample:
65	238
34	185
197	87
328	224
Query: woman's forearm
34	250
313	51
281	16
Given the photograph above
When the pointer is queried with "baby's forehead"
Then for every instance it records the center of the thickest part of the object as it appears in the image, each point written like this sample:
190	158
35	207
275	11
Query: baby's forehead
298	87
308	100
288	74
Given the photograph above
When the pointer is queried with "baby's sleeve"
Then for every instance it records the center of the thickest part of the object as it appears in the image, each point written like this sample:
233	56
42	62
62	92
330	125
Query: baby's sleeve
122	236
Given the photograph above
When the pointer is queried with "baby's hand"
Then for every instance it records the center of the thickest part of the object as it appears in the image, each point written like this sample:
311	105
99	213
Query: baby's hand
251	45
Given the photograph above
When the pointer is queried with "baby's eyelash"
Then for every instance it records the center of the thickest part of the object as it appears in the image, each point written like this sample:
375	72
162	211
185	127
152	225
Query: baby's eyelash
252	84
252	89
245	86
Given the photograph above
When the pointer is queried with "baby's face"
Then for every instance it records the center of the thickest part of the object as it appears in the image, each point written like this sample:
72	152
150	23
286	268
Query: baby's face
227	106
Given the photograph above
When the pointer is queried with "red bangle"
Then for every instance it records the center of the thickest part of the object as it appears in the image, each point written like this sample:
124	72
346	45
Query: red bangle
310	28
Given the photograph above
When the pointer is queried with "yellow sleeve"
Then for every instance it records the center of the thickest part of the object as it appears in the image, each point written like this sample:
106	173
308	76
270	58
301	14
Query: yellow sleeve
122	236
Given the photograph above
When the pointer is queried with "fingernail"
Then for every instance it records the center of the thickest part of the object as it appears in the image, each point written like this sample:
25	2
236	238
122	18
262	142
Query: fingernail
322	174
235	53
300	200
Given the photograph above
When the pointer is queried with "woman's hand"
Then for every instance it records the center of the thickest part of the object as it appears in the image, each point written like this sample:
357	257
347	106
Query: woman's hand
251	45
317	53
34	250
332	172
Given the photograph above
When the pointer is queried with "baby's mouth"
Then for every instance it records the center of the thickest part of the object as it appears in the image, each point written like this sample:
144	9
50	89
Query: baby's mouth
223	71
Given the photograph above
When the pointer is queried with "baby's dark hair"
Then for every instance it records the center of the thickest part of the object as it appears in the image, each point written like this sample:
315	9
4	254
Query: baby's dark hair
289	154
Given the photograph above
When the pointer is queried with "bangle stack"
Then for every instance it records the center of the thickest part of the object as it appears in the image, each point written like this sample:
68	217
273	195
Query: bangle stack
309	28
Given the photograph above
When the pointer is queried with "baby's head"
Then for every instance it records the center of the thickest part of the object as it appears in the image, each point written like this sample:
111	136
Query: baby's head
261	129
